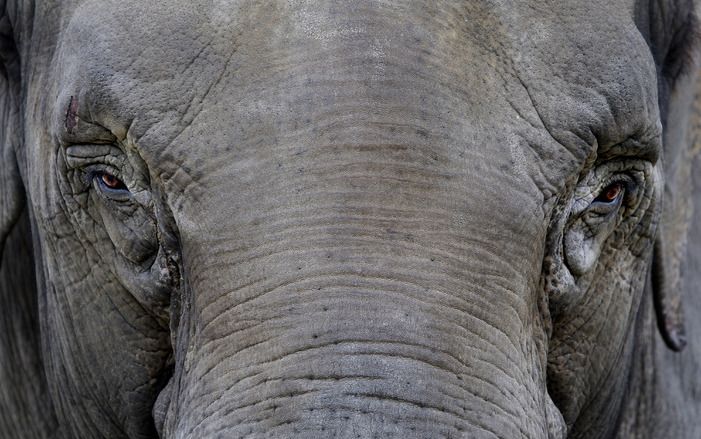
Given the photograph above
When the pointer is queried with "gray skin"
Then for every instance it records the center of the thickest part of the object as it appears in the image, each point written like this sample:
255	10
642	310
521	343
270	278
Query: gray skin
367	219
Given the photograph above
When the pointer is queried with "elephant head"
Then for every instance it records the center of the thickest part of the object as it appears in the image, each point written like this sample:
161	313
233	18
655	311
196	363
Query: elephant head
338	219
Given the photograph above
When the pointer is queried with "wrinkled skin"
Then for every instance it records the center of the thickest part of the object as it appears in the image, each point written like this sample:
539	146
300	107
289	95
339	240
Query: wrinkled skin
348	219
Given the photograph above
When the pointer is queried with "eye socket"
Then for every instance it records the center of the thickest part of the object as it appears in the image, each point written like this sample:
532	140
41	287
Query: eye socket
109	182
611	194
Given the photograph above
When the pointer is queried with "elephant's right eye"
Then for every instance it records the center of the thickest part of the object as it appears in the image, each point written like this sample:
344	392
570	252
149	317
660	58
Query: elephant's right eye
110	186
103	167
110	182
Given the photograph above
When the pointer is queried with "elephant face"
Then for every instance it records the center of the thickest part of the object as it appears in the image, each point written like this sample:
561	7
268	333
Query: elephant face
338	219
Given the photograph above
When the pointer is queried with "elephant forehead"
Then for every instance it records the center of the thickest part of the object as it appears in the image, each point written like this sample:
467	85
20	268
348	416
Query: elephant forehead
228	80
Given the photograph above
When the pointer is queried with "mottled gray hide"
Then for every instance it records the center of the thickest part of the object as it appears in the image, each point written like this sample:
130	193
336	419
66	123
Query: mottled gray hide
349	219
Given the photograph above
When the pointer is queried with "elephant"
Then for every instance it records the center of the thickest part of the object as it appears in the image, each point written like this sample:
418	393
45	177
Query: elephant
336	219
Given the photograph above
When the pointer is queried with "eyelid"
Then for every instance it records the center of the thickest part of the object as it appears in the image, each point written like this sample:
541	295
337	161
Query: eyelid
605	208
78	156
100	176
112	194
601	207
645	145
619	195
626	180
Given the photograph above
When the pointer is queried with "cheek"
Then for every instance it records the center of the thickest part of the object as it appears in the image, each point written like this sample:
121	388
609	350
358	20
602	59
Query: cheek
590	347
595	278
100	349
582	247
131	230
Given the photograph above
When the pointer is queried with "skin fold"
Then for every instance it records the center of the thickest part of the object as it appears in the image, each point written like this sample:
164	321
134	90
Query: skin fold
339	219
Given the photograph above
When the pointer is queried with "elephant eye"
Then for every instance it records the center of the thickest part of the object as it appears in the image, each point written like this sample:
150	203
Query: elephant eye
109	182
611	193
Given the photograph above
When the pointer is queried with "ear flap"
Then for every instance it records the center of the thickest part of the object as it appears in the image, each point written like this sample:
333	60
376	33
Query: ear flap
11	189
26	411
681	145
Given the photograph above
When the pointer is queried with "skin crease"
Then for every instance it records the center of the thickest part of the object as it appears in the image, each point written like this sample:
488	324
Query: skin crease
344	219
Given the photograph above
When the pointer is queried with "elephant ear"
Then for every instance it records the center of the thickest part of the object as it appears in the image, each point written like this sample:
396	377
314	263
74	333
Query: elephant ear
680	104
671	241
25	409
11	189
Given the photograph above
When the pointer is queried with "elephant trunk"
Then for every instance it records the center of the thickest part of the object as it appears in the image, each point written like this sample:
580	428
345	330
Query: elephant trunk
381	337
370	279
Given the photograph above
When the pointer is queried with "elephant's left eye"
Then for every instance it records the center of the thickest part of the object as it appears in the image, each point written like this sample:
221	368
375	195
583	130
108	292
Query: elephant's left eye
611	193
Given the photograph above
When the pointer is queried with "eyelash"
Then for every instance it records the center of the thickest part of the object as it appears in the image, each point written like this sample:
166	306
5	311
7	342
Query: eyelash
94	178
625	187
619	189
117	185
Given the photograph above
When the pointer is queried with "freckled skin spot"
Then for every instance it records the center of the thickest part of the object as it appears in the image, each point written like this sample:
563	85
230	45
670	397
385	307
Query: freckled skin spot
72	115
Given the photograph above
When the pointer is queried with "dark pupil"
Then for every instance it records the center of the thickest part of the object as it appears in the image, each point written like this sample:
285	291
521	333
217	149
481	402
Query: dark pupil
612	192
111	181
